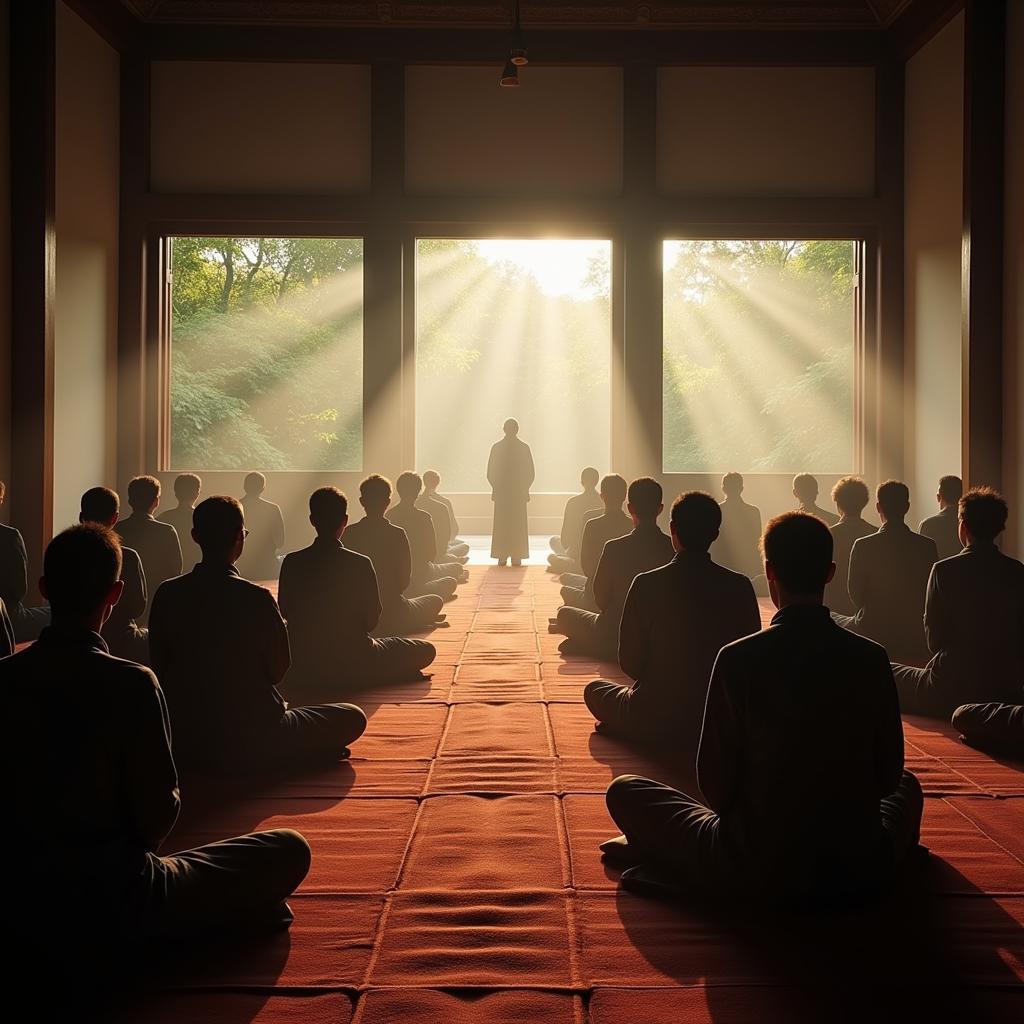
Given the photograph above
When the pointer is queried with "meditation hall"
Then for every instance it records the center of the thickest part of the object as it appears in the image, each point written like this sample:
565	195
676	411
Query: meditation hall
512	511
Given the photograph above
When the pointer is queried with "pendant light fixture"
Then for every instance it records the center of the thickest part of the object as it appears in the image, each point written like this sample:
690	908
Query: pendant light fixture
517	56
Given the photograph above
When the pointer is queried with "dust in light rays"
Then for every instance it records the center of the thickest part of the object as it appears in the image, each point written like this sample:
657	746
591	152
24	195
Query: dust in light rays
513	327
266	354
759	356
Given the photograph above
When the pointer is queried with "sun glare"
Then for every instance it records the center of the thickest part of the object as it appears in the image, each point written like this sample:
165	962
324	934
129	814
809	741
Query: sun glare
559	266
513	328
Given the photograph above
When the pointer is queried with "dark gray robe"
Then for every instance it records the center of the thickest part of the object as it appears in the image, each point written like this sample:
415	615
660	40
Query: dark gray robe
510	473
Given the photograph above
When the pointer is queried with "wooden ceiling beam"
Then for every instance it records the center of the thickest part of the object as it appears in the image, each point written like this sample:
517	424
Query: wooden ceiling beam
474	46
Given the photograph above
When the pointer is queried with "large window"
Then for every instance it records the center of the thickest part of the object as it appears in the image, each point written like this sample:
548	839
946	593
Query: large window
759	356
512	328
266	354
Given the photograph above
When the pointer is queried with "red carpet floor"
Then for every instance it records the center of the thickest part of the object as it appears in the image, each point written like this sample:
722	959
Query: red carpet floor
456	875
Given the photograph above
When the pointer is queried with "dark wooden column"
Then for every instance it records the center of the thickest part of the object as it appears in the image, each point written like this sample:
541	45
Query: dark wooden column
388	406
984	60
131	330
884	343
638	448
33	196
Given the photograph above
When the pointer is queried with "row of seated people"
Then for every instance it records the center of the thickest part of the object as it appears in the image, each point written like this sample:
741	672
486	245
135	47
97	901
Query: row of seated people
663	608
160	548
220	647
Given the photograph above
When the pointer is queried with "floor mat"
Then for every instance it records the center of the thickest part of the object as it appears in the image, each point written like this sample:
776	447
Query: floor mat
456	873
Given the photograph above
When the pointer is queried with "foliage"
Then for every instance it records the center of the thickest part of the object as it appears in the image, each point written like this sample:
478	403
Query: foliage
758	362
492	343
266	355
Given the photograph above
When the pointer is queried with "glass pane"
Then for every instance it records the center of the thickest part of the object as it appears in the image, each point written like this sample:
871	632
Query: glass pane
267	354
758	356
518	328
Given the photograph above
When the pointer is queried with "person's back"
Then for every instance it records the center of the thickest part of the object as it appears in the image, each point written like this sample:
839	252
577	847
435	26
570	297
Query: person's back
888	578
565	548
266	532
104	716
800	759
156	543
845	534
92	786
974	621
683	614
25	621
809	709
850	496
420	532
187	487
387	547
675	620
441	521
124	637
805	490
644	548
598	531
13	568
736	546
219	647
328	595
943	528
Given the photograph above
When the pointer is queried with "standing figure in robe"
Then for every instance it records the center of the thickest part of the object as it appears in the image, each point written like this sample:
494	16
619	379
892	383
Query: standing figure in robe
510	473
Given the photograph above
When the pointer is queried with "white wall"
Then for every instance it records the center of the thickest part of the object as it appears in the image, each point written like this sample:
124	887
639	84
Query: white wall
933	216
85	308
1013	282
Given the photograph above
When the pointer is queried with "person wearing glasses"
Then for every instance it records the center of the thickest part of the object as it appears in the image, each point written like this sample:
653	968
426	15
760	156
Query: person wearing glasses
220	648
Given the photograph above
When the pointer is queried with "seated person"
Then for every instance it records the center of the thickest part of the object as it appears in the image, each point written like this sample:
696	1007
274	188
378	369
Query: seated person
736	547
387	547
442	520
27	622
156	543
623	558
577	589
122	634
805	490
974	620
675	621
220	647
888	578
431	482
565	548
996	728
7	642
944	528
187	487
793	809
429	576
266	527
851	495
329	597
102	804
